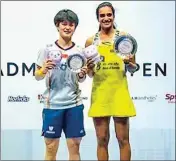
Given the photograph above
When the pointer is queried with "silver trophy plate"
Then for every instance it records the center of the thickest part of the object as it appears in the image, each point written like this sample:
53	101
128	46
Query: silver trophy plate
75	62
125	45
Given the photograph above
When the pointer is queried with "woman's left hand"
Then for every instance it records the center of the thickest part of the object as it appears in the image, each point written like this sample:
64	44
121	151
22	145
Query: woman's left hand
131	63
129	59
83	72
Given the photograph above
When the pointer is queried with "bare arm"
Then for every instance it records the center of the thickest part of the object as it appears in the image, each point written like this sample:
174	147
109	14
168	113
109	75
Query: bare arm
40	72
90	65
89	41
132	66
82	74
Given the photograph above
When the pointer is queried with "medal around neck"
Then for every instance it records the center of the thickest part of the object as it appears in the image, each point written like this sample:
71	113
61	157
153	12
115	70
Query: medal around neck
91	52
125	45
75	62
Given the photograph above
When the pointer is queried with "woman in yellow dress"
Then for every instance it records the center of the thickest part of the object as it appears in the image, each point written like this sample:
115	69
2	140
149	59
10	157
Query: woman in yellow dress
110	95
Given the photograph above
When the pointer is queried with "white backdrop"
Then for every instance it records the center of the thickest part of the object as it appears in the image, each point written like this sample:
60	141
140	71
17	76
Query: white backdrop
28	26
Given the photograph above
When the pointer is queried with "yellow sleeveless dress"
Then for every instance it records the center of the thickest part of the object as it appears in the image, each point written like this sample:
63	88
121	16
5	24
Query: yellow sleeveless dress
110	95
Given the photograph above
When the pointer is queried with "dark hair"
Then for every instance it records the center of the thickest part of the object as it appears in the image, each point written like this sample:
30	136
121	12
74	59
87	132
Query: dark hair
104	4
66	15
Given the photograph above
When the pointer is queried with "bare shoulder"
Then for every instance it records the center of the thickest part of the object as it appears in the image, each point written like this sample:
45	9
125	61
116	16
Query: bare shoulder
121	33
89	41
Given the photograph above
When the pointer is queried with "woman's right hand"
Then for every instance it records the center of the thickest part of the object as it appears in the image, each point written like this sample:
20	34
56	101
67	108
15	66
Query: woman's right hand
49	64
90	64
90	68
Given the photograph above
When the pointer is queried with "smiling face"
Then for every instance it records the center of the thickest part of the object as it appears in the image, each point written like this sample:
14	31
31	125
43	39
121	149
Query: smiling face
66	29
106	17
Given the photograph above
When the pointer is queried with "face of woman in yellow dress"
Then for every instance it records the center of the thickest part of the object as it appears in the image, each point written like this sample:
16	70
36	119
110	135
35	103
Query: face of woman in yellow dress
106	17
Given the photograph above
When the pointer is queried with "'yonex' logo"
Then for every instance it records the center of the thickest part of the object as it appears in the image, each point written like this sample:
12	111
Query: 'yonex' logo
51	130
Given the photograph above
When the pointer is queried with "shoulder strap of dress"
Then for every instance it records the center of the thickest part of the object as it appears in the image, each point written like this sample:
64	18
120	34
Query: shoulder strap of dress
96	39
117	33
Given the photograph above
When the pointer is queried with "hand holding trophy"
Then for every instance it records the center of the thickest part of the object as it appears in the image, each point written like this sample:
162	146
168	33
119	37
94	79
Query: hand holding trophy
75	62
53	60
78	60
126	47
91	52
93	58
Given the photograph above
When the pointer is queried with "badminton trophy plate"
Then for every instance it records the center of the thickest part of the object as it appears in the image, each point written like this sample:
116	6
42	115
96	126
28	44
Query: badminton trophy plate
75	62
125	45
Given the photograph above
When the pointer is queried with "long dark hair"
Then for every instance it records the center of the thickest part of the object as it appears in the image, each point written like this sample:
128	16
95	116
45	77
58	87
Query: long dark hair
104	4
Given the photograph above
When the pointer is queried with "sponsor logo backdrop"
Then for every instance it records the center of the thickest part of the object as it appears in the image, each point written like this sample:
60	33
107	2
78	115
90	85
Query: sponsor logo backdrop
33	28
